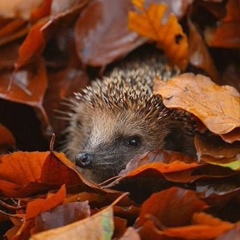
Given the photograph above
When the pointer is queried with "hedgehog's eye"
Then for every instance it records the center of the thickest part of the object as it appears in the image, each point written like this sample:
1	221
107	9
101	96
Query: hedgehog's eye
134	141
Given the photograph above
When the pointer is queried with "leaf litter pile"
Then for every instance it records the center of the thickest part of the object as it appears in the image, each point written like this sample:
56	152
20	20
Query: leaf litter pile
50	49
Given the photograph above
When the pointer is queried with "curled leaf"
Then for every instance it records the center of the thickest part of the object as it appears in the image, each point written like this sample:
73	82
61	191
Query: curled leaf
166	31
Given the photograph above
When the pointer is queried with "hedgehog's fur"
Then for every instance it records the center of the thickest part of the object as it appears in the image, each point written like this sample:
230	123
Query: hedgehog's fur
119	108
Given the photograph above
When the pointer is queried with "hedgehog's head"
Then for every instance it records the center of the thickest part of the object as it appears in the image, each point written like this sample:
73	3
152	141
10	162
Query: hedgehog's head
111	123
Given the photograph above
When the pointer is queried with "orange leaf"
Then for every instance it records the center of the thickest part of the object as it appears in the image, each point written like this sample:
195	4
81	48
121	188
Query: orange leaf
22	173
170	208
6	137
98	226
42	11
226	34
38	206
21	86
33	45
104	22
204	226
199	54
61	215
203	98
168	34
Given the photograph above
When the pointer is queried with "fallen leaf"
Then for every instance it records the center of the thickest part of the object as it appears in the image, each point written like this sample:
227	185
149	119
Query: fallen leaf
130	233
8	56
38	206
232	136
120	226
201	97
18	8
11	27
107	26
33	46
21	87
226	34
170	208
60	216
215	147
167	34
98	226
199	53
204	226
61	85
23	174
233	234
6	137
42	11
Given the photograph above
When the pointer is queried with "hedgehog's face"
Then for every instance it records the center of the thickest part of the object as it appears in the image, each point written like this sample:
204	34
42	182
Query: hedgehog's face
105	141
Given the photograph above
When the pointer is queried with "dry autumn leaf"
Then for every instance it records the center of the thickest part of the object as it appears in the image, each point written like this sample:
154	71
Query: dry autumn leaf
108	26
215	151
199	54
174	167
20	86
218	107
51	66
182	218
98	226
61	216
33	45
166	31
6	137
226	34
23	174
18	8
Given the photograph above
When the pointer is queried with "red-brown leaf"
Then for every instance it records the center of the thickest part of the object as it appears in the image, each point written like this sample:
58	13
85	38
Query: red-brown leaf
101	32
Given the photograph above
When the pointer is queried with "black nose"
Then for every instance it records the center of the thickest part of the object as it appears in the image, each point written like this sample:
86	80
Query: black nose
84	160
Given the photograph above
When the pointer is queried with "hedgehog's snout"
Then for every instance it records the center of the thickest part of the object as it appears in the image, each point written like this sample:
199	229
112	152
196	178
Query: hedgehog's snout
84	160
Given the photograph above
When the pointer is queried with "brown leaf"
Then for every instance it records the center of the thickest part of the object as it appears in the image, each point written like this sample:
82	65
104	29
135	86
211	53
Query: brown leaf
120	226
130	233
163	161
215	151
6	137
232	136
33	45
173	167
21	86
61	216
61	85
42	11
168	34
101	32
176	214
233	234
170	208
34	208
11	27
201	97
204	226
8	55
226	34
18	8
199	54
98	226
213	146
23	174
38	206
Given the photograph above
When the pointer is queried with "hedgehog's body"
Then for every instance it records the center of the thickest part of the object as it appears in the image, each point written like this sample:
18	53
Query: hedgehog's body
119	117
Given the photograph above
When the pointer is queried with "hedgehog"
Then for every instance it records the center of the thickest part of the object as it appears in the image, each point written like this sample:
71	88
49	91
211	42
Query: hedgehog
119	117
